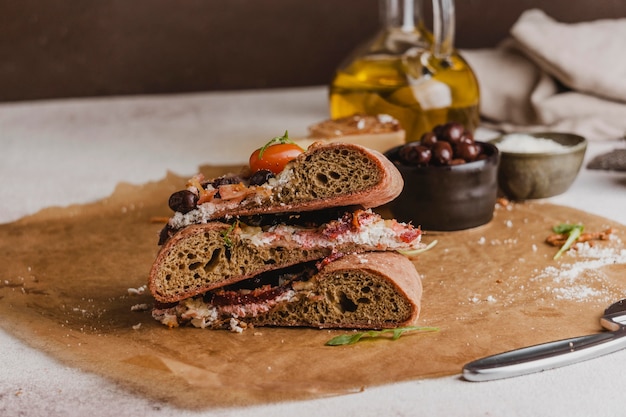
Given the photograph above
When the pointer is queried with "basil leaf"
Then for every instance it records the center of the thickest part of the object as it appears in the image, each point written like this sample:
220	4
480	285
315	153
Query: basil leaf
350	339
565	228
573	230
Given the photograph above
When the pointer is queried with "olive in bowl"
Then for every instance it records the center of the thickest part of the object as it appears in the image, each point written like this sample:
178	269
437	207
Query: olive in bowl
538	165
448	184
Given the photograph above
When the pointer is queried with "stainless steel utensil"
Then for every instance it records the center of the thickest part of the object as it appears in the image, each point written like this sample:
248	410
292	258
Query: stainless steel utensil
554	354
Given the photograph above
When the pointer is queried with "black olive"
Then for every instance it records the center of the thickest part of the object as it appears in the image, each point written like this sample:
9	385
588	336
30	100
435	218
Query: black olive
467	151
183	201
466	138
439	131
415	154
452	132
442	153
261	177
165	234
428	139
225	180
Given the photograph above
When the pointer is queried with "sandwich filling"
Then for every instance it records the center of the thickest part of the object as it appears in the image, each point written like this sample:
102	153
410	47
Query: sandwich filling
361	227
227	307
237	191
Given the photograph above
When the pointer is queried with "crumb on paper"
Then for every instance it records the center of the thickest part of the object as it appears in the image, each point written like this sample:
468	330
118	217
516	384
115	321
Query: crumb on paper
139	307
137	326
137	291
237	326
126	209
477	300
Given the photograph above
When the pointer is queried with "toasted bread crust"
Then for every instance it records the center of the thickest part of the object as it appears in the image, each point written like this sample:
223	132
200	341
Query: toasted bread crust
358	291
326	175
393	267
201	257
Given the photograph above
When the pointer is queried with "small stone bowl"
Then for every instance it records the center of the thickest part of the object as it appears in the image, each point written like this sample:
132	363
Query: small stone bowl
447	198
527	175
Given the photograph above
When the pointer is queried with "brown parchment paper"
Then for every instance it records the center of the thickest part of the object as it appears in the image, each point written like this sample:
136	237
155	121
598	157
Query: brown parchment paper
66	274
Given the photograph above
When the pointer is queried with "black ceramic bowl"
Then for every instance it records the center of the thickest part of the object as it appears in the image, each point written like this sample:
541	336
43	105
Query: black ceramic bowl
447	198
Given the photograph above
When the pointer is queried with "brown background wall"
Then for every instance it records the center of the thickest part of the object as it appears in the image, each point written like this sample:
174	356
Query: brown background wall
74	48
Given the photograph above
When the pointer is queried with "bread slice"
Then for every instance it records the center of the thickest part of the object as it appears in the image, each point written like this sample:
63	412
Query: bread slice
379	132
330	175
360	291
202	257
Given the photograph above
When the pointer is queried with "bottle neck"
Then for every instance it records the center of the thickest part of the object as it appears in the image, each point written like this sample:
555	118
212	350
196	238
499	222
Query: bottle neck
403	24
402	29
402	15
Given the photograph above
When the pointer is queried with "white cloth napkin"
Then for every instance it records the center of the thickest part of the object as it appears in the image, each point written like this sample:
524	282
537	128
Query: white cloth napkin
555	76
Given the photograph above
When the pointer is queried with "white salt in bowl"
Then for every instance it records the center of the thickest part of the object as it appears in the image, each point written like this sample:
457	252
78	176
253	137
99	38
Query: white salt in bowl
538	165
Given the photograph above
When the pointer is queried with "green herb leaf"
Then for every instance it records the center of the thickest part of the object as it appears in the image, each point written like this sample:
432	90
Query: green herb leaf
226	234
572	230
352	338
565	228
275	141
415	252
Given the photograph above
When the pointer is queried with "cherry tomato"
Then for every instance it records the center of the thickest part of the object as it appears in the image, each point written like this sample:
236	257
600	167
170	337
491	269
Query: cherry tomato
274	157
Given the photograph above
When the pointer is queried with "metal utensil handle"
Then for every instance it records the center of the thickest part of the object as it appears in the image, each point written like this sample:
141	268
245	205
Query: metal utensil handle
544	356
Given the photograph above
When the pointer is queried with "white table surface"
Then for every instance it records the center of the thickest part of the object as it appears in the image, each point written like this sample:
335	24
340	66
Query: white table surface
75	151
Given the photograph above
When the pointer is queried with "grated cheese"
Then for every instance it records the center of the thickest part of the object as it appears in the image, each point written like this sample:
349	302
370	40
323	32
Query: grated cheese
521	143
580	280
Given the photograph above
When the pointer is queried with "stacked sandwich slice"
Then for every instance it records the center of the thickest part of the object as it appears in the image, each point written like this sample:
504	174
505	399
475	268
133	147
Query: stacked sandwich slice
300	246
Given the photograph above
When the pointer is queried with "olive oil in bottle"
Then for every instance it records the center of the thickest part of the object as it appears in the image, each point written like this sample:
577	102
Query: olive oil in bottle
398	74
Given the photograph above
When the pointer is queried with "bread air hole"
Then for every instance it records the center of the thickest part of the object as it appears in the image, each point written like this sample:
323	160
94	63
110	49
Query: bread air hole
322	178
346	304
210	264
